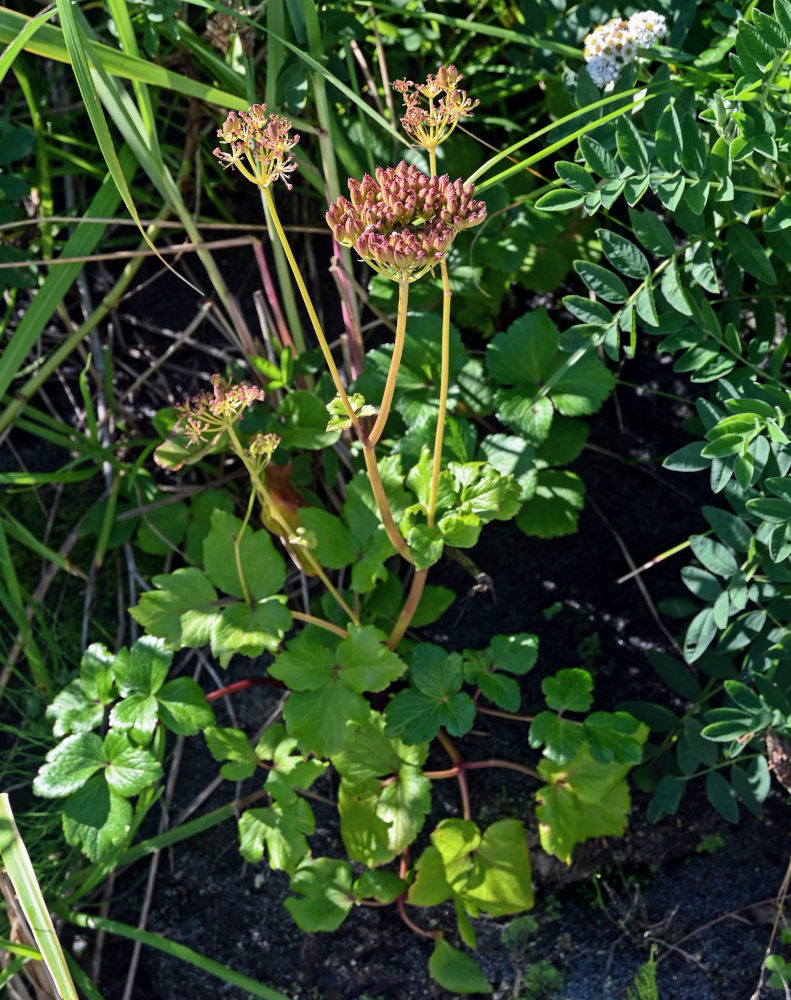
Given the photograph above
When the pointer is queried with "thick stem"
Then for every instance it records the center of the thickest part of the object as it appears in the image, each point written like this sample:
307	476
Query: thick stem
395	361
243	685
409	608
413	926
321	623
377	486
443	393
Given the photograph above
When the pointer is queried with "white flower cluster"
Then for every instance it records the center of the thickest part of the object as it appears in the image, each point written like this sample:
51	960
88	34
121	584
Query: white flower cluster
609	47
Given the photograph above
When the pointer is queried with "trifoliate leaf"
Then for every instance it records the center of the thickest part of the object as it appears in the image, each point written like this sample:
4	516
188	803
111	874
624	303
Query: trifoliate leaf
182	608
613	736
74	710
129	769
561	738
249	631
143	668
182	707
96	672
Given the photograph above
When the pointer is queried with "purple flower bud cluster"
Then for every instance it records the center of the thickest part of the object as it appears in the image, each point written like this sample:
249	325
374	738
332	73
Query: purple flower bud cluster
259	145
402	222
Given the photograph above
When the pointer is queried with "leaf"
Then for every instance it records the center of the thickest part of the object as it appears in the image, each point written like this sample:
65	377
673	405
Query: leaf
652	232
335	546
581	799
669	142
554	510
279	831
524	352
631	147
318	718
231	745
673	291
749	253
713	555
597	158
733	531
143	668
700	633
456	971
262	567
569	690
325	887
250	631
602	282
623	254
516	654
559	200
129	769
576	176
69	765
172	611
722	796
383	886
182	707
561	738
97	819
613	736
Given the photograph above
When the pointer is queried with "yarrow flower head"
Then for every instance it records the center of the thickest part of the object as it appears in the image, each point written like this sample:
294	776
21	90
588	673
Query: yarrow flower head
211	412
434	108
609	47
402	222
259	145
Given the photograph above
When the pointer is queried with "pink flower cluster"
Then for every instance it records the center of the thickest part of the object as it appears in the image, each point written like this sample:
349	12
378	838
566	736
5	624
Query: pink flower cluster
445	105
402	222
259	145
210	412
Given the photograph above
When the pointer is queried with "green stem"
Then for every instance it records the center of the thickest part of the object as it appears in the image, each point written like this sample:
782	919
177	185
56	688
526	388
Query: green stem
443	394
321	623
272	510
395	361
314	319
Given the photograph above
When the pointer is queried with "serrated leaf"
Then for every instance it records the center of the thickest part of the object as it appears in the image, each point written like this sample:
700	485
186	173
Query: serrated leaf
96	818
69	765
613	736
335	546
143	668
180	610
182	707
561	738
129	769
383	886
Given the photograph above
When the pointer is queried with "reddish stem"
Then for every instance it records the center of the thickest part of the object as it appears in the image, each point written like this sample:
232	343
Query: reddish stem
456	757
241	685
283	332
504	715
413	926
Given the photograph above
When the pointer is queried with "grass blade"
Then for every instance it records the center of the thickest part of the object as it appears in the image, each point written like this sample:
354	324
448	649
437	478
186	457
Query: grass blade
17	863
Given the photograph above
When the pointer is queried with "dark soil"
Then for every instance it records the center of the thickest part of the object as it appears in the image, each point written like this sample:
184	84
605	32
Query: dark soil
695	888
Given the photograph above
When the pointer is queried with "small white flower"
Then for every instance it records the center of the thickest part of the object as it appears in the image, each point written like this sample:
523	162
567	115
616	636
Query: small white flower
647	27
609	47
603	70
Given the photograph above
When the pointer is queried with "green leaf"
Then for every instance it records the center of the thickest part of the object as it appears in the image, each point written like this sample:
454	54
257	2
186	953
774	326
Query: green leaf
96	818
456	971
514	456
700	634
335	546
652	232
673	291
279	831
531	417
623	254
318	718
722	796
516	654
749	253
561	738
249	631
231	745
525	351
129	769
569	690
669	142
143	668
436	700
602	282
383	886
559	200
325	887
554	510
613	736
582	799
182	707
597	158
262	567
69	765
301	422
173	610
576	176
631	147
714	556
